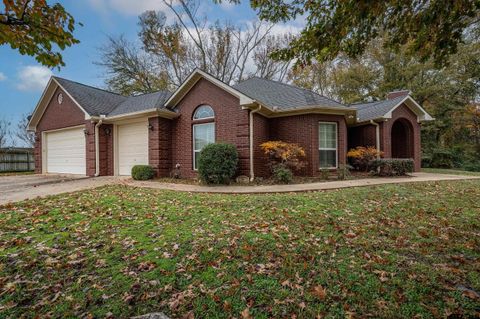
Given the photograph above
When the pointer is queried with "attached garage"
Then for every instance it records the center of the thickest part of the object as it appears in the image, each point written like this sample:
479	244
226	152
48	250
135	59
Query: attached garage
132	146
64	151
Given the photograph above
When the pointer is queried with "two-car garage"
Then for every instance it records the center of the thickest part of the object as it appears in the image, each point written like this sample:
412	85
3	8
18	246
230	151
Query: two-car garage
64	151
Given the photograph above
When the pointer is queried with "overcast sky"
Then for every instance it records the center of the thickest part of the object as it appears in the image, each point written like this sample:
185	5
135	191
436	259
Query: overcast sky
22	79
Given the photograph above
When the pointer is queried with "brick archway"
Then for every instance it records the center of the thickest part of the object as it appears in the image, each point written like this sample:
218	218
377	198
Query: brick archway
402	139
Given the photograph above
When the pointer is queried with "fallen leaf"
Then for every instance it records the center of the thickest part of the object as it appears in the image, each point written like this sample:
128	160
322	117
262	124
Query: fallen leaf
319	292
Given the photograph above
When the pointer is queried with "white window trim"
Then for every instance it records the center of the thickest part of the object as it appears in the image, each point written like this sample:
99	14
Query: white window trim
193	141
203	118
329	148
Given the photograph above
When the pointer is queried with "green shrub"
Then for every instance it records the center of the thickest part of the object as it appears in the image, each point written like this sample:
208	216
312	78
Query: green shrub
282	174
472	166
217	163
392	166
426	161
142	172
324	174
442	159
343	172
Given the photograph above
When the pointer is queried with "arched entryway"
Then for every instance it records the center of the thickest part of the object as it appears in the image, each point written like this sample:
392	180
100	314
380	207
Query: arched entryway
402	139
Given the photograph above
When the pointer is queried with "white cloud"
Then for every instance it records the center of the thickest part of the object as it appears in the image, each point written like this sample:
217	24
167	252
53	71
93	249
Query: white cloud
227	5
33	78
3	77
127	7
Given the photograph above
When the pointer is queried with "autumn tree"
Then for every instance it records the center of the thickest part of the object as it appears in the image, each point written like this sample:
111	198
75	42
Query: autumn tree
266	67
427	28
21	132
36	28
4	132
169	51
447	93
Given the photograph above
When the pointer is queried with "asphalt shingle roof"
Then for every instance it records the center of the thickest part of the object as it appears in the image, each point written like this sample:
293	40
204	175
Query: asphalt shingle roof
141	102
100	102
375	110
276	95
282	96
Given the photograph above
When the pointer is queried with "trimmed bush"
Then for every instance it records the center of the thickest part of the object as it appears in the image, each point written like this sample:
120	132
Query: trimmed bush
289	155
392	166
217	163
282	174
361	157
142	172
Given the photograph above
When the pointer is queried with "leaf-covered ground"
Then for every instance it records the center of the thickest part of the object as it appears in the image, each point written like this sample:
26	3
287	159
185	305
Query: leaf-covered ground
449	171
390	251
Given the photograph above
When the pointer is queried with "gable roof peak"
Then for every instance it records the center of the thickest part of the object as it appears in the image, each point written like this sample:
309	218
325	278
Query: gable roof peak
398	93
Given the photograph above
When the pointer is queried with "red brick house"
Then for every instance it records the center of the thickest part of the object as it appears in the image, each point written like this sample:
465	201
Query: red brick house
85	130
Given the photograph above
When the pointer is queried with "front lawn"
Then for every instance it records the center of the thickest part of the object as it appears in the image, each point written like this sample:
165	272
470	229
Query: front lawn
450	171
389	251
16	173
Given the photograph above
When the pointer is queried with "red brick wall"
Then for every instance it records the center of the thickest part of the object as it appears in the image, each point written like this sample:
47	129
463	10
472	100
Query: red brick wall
106	149
231	125
364	135
405	114
56	116
303	130
90	148
160	145
261	129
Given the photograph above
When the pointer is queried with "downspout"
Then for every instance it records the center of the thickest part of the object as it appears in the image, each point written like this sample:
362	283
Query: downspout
252	174
377	136
97	146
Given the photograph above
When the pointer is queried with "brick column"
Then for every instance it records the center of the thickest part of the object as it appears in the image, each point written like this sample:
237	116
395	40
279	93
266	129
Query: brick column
90	148
105	134
37	152
160	146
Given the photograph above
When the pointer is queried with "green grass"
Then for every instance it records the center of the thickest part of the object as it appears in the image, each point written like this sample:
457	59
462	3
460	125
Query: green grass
450	171
393	251
16	173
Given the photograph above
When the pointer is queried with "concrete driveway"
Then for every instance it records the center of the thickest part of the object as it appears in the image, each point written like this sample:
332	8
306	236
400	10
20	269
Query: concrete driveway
20	187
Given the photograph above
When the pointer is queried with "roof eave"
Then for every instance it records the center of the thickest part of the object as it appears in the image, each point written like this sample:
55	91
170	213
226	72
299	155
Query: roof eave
144	113
268	111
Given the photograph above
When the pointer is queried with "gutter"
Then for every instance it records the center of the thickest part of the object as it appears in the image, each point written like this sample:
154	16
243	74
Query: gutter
252	174
377	136
97	146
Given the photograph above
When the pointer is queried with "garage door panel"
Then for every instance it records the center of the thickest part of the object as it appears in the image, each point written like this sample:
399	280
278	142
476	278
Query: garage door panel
66	151
132	146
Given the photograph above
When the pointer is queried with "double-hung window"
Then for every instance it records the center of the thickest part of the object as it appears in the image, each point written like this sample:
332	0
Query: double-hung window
203	133
328	144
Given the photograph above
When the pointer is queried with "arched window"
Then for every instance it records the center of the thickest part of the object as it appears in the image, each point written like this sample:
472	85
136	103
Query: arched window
203	133
203	112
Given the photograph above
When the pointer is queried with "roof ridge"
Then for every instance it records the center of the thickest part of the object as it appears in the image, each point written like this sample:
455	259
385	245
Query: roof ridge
378	101
295	87
158	91
89	86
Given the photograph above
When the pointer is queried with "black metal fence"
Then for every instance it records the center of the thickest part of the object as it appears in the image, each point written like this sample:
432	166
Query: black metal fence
16	159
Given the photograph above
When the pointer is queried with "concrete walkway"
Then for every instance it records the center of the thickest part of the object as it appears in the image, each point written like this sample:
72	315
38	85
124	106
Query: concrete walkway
21	191
416	177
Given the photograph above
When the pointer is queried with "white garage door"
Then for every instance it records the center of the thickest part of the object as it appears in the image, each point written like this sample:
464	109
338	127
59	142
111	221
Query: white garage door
66	151
132	146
